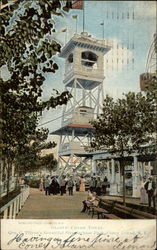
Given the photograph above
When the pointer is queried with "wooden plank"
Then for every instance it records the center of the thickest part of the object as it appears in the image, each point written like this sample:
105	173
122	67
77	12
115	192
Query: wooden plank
111	216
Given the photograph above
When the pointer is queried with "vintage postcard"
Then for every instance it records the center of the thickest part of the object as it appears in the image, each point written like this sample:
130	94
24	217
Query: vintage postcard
77	124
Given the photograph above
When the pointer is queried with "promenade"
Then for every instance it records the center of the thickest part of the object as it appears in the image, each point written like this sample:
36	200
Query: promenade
39	206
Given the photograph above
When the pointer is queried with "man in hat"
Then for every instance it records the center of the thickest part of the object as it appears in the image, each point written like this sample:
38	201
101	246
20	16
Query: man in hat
47	182
62	184
70	185
150	189
92	184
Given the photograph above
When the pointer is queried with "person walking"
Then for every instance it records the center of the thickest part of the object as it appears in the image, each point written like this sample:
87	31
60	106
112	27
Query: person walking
82	184
104	185
70	185
47	185
144	196
77	184
92	185
53	185
41	185
62	184
150	189
98	186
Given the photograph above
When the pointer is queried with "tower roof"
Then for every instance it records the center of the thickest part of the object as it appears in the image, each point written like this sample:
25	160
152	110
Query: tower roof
84	41
80	129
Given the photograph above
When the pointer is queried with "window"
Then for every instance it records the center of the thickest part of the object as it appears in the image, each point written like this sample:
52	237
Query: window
83	112
70	58
89	59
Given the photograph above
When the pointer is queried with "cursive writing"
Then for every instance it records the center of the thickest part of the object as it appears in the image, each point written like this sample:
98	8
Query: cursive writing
77	240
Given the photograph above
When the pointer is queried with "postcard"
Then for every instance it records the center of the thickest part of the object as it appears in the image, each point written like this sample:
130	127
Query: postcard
60	60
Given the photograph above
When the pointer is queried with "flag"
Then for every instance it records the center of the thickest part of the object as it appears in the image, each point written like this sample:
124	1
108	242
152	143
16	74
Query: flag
74	17
102	23
63	30
77	4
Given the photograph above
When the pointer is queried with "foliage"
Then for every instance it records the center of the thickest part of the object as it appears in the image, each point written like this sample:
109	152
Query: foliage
27	50
48	161
29	159
126	124
34	183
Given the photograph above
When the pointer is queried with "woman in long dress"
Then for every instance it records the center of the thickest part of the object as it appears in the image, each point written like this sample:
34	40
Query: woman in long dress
82	184
41	185
144	196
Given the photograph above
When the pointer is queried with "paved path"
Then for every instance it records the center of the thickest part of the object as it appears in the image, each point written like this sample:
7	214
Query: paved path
39	206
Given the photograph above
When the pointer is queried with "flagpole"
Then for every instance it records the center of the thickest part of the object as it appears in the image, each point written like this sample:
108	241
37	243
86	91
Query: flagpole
76	25
102	24
83	15
66	36
103	30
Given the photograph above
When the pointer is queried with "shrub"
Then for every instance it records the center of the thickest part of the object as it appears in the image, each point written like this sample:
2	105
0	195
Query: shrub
34	183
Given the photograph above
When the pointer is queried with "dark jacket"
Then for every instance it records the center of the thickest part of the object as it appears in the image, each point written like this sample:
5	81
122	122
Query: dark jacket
146	186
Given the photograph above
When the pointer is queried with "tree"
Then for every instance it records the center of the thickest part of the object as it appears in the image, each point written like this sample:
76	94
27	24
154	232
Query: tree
49	162
29	158
27	52
126	125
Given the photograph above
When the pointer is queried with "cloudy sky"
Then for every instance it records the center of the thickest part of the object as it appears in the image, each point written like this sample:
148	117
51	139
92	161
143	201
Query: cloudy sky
129	27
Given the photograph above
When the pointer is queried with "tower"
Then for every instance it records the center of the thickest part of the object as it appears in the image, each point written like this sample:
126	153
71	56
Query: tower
84	75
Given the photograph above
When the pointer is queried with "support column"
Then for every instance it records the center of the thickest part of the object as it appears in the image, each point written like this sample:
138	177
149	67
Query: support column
119	182
108	171
113	184
136	184
94	170
113	171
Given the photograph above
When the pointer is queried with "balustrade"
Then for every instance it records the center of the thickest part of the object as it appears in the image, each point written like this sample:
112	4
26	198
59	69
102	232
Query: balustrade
13	207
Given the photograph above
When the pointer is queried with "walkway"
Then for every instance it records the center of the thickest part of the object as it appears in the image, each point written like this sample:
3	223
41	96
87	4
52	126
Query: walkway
39	206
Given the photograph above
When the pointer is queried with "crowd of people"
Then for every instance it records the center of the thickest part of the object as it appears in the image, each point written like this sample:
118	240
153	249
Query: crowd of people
96	187
55	185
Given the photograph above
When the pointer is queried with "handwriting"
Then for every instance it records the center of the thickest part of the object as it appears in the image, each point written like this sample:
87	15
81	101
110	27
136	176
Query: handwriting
78	241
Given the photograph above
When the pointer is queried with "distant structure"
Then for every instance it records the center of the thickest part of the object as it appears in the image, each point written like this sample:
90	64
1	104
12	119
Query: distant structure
84	75
151	66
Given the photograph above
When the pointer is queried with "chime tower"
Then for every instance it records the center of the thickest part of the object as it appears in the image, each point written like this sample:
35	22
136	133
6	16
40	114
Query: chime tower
84	75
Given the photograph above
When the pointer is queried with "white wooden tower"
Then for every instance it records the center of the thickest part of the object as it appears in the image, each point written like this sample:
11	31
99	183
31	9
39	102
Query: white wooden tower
84	75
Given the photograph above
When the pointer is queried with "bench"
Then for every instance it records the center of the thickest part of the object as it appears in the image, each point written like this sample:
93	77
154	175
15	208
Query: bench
127	212
91	206
105	214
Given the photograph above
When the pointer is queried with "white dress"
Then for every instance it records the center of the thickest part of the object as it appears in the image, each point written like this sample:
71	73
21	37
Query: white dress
144	195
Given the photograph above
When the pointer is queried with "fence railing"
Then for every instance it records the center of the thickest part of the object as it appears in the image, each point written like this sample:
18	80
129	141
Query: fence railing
13	207
3	186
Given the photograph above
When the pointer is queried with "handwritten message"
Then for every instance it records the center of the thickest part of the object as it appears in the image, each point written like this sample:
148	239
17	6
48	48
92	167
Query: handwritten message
76	234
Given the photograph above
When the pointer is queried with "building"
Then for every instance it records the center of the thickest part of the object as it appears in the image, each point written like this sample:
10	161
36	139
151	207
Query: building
137	166
84	76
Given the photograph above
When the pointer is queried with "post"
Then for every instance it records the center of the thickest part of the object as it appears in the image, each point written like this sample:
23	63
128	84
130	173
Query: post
83	15
113	185
10	211
122	165
5	216
136	190
108	171
113	170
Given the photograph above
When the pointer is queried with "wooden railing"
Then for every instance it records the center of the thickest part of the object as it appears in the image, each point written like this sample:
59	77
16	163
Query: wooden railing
13	207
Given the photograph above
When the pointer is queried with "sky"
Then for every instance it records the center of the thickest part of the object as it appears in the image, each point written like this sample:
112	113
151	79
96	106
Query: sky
129	27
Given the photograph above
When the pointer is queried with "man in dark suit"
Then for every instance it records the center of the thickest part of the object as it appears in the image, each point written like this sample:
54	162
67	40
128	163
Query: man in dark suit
150	189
